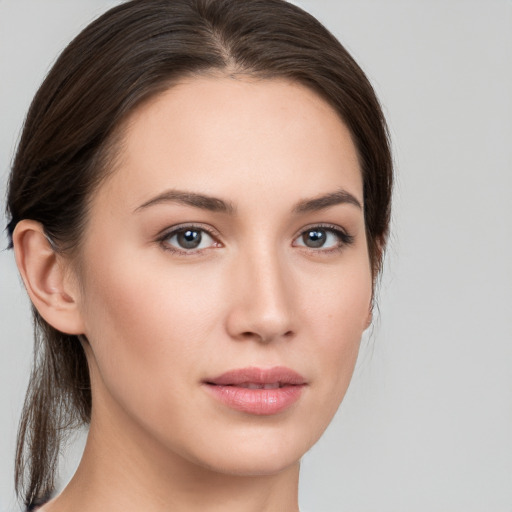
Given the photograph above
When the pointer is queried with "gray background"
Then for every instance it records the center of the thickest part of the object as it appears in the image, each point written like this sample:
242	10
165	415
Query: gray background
427	423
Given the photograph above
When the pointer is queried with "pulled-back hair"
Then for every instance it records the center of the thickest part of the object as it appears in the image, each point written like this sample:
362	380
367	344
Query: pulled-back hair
72	132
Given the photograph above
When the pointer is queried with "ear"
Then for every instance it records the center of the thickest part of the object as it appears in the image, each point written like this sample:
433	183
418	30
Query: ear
369	319
47	278
380	244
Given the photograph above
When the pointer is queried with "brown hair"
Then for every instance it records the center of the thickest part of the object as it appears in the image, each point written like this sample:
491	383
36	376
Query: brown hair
129	54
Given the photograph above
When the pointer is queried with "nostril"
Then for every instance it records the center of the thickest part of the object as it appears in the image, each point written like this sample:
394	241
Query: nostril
264	338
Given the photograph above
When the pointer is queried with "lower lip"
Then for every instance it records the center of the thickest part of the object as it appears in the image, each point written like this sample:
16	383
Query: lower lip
261	402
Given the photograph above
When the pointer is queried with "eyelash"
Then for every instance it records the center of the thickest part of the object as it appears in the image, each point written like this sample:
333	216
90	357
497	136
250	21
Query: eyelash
175	230
344	238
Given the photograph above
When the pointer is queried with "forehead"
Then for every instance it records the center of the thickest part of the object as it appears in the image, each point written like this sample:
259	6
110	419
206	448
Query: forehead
221	135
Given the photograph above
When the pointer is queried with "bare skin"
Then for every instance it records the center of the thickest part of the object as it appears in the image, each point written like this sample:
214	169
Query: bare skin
267	175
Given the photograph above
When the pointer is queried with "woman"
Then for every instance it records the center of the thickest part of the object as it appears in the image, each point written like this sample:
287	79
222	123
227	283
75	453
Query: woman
200	204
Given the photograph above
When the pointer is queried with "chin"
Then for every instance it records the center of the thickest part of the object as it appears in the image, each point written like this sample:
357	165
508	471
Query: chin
253	452
252	464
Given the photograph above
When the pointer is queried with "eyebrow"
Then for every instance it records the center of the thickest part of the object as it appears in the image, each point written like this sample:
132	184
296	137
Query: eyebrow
201	201
326	201
215	204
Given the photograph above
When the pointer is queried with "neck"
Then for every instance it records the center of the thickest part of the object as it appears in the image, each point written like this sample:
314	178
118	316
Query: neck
122	469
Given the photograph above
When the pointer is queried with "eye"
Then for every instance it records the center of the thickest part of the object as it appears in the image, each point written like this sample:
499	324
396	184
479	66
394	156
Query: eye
321	237
188	239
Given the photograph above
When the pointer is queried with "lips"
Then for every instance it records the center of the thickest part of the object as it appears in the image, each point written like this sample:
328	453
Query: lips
257	391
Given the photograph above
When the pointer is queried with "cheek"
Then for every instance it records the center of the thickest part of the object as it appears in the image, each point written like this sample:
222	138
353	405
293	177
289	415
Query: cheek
148	328
337	319
135	312
338	303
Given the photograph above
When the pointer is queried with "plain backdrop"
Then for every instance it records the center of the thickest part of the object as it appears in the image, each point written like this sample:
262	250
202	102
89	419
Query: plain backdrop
427	423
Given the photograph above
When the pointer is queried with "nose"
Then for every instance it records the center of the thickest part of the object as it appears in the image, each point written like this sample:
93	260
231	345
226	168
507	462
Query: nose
261	300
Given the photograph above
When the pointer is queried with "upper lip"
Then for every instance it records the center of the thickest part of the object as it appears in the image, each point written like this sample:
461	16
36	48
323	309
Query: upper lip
278	374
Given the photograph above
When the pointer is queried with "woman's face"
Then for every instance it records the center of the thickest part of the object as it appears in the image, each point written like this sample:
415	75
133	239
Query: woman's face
225	279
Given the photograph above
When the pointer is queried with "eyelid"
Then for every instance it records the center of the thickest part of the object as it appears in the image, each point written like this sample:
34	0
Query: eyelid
188	225
344	236
170	231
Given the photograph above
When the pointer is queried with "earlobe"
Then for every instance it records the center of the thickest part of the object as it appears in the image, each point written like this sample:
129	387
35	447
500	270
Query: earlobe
46	280
369	320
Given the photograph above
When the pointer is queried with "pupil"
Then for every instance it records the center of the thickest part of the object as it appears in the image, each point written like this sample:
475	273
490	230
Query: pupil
189	239
314	238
